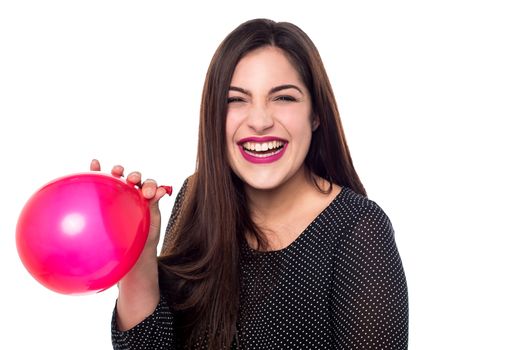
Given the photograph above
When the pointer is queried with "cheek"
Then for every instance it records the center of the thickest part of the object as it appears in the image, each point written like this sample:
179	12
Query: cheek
233	121
232	125
297	121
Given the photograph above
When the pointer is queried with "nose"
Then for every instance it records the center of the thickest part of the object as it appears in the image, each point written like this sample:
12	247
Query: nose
259	119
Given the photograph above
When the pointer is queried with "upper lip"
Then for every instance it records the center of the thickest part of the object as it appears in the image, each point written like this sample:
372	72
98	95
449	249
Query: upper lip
260	139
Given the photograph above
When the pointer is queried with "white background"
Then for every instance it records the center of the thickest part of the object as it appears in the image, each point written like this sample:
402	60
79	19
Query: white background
432	95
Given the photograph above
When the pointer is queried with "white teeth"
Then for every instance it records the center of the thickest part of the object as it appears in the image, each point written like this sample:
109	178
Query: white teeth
264	155
262	146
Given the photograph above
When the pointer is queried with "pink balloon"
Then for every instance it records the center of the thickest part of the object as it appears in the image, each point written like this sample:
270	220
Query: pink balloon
81	233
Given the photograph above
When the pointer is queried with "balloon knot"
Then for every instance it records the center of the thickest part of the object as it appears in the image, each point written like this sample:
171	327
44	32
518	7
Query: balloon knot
168	189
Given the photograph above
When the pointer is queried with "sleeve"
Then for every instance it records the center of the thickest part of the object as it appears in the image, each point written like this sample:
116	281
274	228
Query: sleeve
370	302
157	330
154	332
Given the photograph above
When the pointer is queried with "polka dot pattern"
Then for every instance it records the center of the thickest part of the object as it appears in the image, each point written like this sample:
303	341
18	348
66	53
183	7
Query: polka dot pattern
339	285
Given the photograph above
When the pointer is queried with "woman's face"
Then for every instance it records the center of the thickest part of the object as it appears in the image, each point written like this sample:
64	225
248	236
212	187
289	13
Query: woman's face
269	121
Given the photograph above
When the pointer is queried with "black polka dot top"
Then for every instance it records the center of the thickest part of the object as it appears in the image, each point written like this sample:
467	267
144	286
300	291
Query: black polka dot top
339	285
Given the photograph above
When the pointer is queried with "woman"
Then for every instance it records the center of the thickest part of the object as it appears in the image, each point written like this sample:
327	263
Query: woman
272	243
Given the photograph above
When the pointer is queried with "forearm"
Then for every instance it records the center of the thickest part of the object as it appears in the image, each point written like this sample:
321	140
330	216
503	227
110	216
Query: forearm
138	291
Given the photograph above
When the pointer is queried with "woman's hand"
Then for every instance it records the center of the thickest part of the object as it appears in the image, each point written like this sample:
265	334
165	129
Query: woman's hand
150	190
139	290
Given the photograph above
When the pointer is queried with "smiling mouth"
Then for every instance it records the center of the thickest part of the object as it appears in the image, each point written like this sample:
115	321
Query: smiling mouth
263	149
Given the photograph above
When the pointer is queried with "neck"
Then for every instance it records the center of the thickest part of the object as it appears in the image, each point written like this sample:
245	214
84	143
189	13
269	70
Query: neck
273	203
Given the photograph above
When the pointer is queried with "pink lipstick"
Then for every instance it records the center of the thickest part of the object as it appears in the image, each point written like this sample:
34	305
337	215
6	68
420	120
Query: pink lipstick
262	150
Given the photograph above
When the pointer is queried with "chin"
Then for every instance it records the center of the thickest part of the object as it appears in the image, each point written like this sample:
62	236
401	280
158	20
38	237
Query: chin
265	181
262	184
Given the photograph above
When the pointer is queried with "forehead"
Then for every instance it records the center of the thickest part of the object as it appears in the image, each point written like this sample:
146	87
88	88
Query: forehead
265	67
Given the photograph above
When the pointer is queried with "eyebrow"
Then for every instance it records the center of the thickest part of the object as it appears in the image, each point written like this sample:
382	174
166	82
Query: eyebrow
273	90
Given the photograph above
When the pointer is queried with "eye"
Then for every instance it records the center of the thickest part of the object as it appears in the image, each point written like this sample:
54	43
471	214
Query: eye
285	98
235	99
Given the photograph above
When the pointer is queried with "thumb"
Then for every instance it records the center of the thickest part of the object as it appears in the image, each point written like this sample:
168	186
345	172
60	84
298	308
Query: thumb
159	193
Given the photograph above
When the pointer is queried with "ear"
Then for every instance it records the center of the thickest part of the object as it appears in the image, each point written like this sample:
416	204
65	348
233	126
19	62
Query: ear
315	123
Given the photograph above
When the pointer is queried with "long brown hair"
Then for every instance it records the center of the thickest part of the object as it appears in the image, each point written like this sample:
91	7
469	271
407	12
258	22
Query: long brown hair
200	273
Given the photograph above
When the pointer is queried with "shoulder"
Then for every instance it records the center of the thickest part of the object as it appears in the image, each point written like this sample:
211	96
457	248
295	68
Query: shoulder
357	206
186	186
359	215
178	210
367	240
183	192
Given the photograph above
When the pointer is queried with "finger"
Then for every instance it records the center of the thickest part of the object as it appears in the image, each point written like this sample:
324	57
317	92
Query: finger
117	171
134	178
94	165
161	191
149	188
